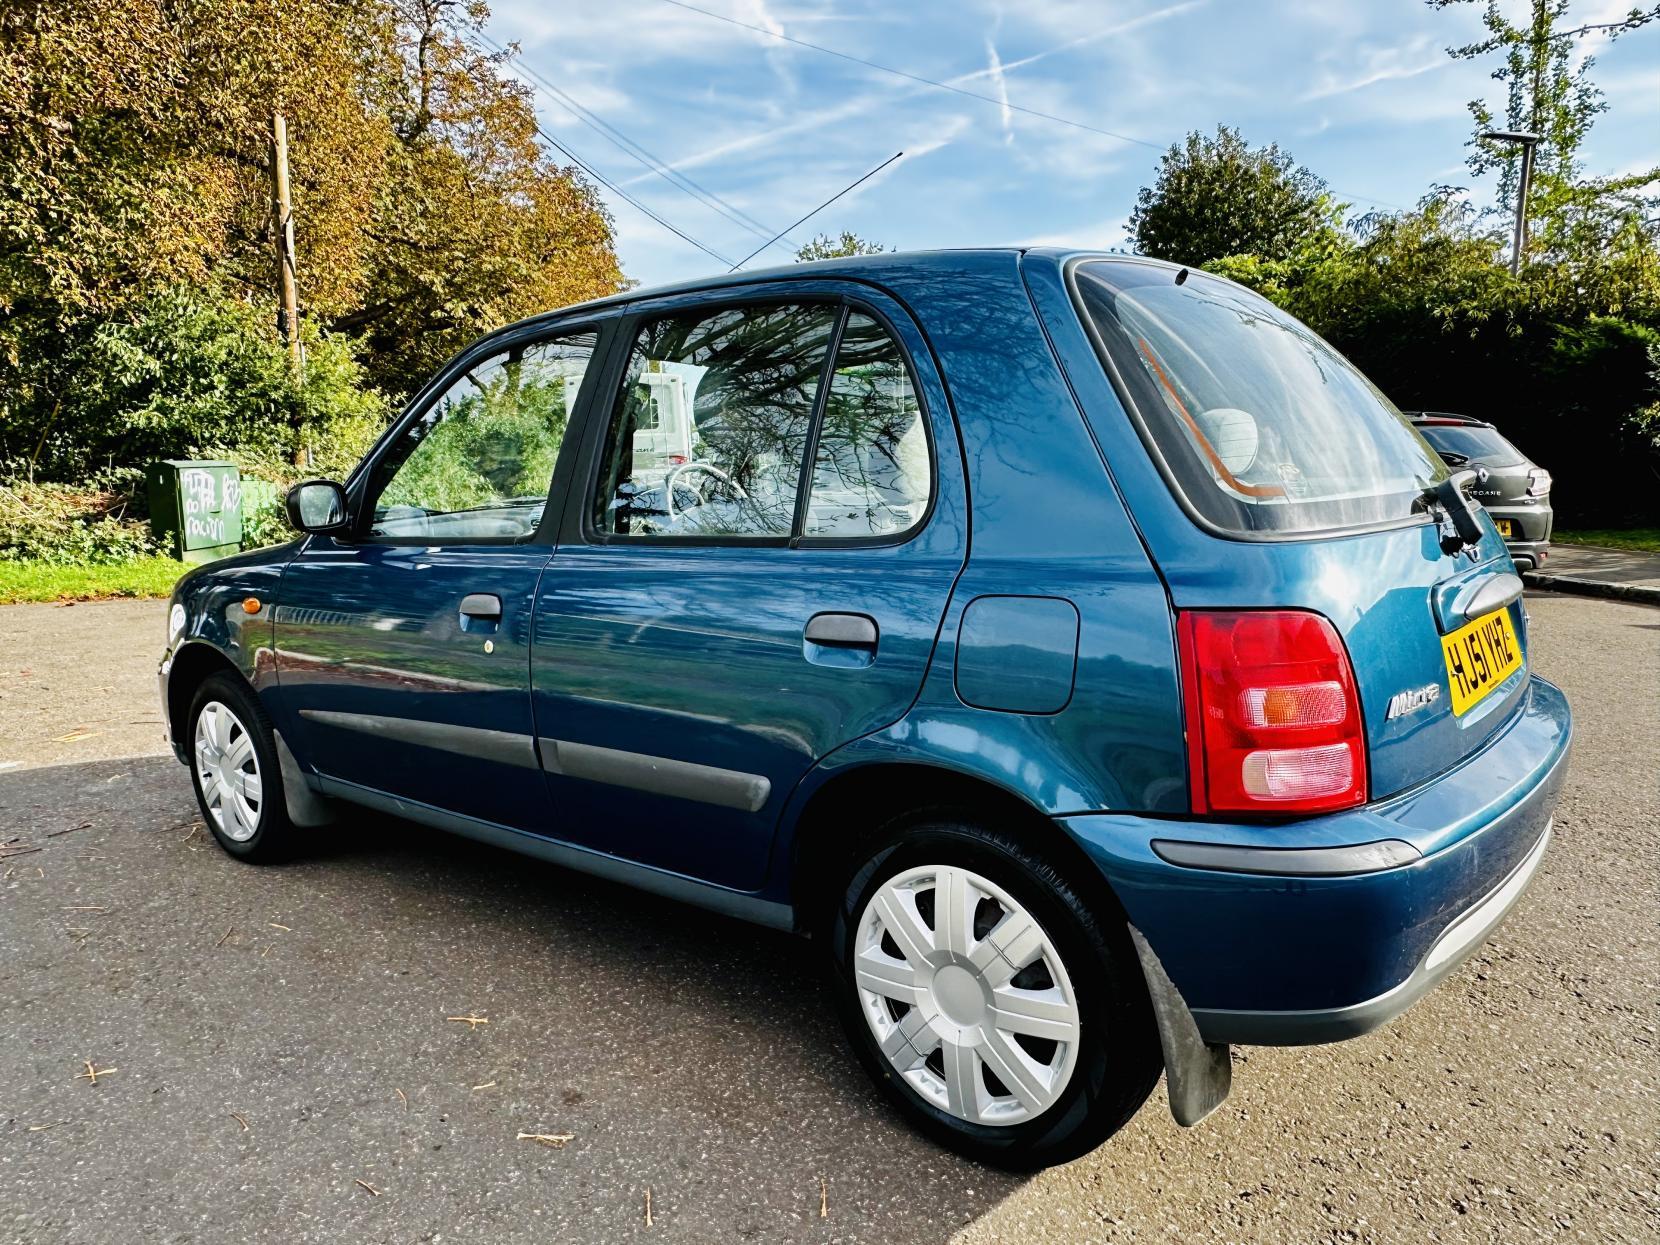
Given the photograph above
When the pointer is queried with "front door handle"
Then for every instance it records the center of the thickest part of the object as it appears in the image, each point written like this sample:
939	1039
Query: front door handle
842	631
480	611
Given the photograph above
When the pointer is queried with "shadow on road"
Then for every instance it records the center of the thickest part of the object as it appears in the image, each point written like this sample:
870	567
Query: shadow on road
682	1050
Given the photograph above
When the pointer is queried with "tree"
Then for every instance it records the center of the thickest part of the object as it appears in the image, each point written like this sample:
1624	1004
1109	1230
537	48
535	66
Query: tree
135	149
1215	197
474	225
823	246
1549	92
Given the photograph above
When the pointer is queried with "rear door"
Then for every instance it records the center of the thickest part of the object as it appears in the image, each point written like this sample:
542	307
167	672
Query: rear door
1265	471
710	628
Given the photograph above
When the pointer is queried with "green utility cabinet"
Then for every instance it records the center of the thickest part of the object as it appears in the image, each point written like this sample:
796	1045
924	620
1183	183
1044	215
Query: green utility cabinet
195	507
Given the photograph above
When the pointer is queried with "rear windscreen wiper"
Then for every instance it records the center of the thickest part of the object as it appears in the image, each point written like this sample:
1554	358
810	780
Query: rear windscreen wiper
1454	513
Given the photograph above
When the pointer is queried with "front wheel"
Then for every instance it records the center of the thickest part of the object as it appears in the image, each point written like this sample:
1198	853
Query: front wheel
996	1009
233	762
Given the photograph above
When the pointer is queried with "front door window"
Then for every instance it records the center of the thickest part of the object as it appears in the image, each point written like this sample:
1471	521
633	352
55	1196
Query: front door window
477	464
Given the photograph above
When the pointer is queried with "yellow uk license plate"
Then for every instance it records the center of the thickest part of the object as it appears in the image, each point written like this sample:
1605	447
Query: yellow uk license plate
1480	656
1505	529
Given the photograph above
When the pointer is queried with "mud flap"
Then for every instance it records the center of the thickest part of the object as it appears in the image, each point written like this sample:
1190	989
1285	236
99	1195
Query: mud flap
305	806
1198	1074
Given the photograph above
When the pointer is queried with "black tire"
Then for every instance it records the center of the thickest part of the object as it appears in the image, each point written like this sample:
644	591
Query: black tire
273	837
1118	1061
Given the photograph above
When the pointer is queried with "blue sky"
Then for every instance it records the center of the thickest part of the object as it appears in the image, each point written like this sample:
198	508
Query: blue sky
1361	91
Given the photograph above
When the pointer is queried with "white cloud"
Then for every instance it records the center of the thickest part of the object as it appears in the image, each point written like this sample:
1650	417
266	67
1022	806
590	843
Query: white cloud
1377	64
994	68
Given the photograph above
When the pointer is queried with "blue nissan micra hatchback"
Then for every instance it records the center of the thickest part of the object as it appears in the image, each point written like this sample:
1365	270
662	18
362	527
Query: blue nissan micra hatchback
1076	646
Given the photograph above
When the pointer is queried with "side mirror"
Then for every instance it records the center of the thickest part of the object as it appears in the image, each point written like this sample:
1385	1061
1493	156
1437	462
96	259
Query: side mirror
317	506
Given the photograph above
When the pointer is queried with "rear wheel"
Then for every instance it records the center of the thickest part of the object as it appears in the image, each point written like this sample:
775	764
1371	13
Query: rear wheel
1004	1016
233	763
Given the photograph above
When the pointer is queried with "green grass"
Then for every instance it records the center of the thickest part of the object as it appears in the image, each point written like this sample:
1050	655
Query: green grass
1646	539
46	581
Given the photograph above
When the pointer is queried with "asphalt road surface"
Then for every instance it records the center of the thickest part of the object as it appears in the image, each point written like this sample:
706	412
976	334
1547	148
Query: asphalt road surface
279	1062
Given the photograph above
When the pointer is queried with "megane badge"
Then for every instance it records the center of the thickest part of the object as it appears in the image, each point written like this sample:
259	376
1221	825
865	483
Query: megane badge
1403	703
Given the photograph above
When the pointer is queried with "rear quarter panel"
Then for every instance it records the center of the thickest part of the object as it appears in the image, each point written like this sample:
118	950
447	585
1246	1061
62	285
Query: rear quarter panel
1375	586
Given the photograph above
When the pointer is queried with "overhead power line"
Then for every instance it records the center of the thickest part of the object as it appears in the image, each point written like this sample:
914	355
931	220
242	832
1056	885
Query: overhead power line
622	194
635	150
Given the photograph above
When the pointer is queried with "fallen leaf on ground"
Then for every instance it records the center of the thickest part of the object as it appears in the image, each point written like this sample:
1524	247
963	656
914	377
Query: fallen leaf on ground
73	736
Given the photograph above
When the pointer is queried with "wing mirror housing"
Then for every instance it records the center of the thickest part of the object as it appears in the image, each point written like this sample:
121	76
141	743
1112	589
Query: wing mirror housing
318	506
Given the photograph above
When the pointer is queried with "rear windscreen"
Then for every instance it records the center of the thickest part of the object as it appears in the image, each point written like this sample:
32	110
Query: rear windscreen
1472	443
1259	424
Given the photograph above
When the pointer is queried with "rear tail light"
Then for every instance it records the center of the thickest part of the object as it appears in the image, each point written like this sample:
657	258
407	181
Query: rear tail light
1273	718
1538	482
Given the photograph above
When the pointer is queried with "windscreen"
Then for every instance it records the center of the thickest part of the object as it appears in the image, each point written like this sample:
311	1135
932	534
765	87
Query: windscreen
1260	425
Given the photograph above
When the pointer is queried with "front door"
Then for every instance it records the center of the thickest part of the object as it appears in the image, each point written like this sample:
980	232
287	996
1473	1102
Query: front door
710	628
404	652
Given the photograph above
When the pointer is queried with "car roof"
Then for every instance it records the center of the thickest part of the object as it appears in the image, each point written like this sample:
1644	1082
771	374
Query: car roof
856	267
1446	417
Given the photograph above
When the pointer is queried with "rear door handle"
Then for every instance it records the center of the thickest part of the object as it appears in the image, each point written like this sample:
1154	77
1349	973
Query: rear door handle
842	631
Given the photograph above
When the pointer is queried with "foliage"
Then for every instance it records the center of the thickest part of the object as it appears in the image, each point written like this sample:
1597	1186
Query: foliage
135	161
68	526
1422	304
1638	539
473	225
180	372
1549	92
42	581
1214	197
265	521
823	246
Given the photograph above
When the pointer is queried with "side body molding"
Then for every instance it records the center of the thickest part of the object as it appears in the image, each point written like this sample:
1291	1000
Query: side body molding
639	771
707	784
505	747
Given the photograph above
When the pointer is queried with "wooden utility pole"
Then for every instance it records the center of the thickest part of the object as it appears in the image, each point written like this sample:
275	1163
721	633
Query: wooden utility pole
288	311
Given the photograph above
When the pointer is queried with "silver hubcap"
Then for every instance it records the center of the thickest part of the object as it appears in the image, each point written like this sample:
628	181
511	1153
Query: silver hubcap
228	769
966	995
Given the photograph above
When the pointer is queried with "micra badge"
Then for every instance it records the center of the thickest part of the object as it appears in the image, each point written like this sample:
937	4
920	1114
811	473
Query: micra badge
1403	703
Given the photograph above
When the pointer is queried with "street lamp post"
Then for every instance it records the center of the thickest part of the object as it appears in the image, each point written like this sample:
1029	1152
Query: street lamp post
1527	142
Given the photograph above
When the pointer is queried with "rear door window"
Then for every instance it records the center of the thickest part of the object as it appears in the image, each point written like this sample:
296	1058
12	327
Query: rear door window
1257	423
720	413
711	427
871	474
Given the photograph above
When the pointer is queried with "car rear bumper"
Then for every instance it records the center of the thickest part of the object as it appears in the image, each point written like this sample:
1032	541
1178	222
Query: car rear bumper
1328	927
1530	528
